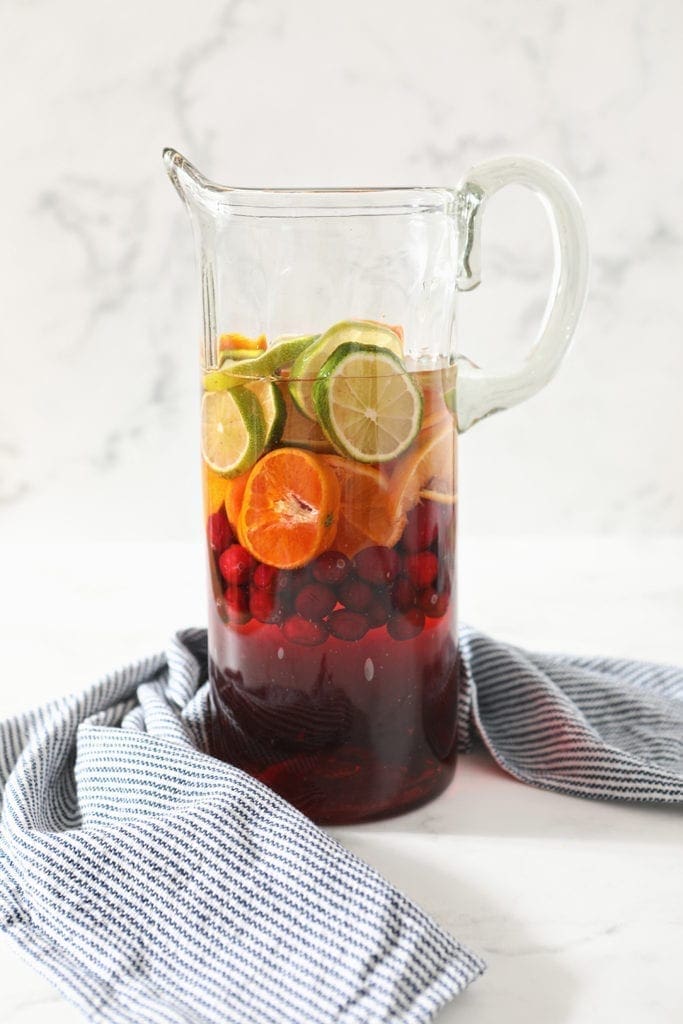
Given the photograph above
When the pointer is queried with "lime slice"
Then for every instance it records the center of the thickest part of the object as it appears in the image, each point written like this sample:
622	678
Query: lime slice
272	407
218	380
309	363
233	430
367	403
280	354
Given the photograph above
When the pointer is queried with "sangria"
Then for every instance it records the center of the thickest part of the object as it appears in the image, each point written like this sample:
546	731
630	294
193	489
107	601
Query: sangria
329	464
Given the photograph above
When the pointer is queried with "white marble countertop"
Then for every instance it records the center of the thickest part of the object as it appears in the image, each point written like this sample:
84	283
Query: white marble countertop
576	906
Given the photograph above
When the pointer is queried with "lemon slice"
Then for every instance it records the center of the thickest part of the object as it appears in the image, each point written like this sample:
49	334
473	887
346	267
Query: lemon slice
367	403
309	363
276	357
233	430
273	408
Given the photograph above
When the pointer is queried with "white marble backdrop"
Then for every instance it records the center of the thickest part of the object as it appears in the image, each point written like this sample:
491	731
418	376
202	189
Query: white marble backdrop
99	299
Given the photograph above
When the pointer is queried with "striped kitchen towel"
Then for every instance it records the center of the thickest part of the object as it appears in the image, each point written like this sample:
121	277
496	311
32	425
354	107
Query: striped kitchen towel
597	727
153	884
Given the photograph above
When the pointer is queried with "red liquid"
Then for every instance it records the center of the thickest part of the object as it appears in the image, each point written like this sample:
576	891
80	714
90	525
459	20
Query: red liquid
347	730
336	683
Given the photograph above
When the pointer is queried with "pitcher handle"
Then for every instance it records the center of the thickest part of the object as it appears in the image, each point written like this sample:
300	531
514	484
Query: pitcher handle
480	392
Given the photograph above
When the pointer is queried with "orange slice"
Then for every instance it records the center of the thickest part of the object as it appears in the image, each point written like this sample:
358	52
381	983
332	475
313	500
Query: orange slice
230	342
364	517
233	497
214	489
290	508
428	467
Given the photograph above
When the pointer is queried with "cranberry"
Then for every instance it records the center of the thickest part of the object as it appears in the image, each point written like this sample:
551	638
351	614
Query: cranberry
265	606
237	604
421	569
378	565
331	567
315	601
403	595
433	603
422	528
265	577
218	531
407	625
291	579
236	564
348	625
356	595
302	631
378	612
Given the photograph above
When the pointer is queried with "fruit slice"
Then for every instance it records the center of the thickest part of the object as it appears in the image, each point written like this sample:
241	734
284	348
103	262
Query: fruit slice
365	518
233	430
309	363
234	496
214	490
272	407
429	467
368	405
280	354
299	431
290	508
241	343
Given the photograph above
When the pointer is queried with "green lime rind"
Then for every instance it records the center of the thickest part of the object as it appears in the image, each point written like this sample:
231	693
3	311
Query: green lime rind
233	430
219	380
362	418
308	365
277	356
273	408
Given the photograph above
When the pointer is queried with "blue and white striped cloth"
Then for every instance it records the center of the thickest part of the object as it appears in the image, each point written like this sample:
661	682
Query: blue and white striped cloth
605	728
155	885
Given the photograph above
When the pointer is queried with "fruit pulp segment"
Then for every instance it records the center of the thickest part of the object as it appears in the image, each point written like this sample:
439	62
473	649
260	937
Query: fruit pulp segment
334	680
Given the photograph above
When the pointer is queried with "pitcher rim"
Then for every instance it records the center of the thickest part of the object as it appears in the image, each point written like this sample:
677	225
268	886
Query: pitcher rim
343	199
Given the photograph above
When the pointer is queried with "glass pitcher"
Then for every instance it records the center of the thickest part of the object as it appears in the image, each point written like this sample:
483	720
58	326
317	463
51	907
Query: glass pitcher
332	396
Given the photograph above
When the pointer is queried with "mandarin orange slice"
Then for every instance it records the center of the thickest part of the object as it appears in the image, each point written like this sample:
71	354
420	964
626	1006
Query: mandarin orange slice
364	514
290	508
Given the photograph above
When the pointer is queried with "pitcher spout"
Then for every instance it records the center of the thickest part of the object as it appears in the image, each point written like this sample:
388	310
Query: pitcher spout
190	184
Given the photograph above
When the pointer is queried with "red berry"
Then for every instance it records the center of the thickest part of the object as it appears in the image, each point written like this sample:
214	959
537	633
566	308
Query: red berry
265	577
291	579
348	625
303	631
378	612
236	564
407	625
422	528
218	531
237	604
265	606
315	601
421	569
331	567
355	595
433	603
403	595
378	565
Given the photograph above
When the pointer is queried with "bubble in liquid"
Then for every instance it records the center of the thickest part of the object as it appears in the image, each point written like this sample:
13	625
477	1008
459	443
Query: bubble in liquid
369	669
280	653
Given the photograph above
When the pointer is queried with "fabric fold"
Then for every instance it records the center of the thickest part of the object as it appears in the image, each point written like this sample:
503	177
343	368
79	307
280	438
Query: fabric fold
153	883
